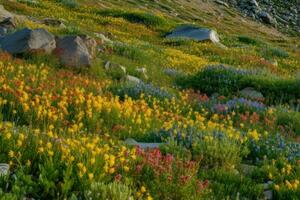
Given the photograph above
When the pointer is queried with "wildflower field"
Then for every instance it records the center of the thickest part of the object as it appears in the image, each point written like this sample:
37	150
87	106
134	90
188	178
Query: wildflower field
63	131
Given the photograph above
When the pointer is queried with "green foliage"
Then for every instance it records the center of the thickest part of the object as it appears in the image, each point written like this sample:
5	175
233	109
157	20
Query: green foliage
271	52
69	3
248	40
113	191
147	19
231	185
228	81
290	120
130	51
217	152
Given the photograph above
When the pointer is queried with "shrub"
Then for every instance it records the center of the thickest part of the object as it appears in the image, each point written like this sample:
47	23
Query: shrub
273	147
232	185
169	177
289	120
275	52
112	191
248	40
220	79
70	3
130	51
228	81
147	19
136	90
217	151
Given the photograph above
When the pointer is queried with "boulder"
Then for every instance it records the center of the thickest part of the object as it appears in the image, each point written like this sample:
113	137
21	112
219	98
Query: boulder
91	45
4	14
266	18
251	93
27	40
195	33
72	52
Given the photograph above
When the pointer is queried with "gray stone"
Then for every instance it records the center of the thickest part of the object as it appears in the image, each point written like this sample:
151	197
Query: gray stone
266	18
133	79
107	65
4	169
251	93
27	41
195	33
247	169
143	145
4	13
72	52
268	194
143	72
103	38
54	22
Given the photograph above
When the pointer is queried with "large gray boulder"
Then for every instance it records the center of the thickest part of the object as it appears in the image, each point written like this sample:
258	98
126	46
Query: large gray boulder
72	52
28	41
4	14
195	33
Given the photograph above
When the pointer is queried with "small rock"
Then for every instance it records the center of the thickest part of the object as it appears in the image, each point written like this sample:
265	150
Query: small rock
107	65
54	22
28	41
247	169
143	145
268	194
103	38
133	79
251	93
4	169
143	72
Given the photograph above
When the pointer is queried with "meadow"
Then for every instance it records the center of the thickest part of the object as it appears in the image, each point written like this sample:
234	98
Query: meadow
62	130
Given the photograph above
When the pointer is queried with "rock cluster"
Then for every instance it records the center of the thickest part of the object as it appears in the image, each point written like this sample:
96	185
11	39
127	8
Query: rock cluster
73	51
283	14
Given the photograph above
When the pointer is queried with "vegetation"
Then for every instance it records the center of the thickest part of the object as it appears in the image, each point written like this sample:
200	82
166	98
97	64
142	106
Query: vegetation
62	130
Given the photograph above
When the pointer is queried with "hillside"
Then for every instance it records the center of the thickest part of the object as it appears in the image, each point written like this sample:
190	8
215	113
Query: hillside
148	99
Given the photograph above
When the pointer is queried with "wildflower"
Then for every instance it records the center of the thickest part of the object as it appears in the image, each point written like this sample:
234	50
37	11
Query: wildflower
126	169
111	170
91	176
11	154
276	187
143	189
